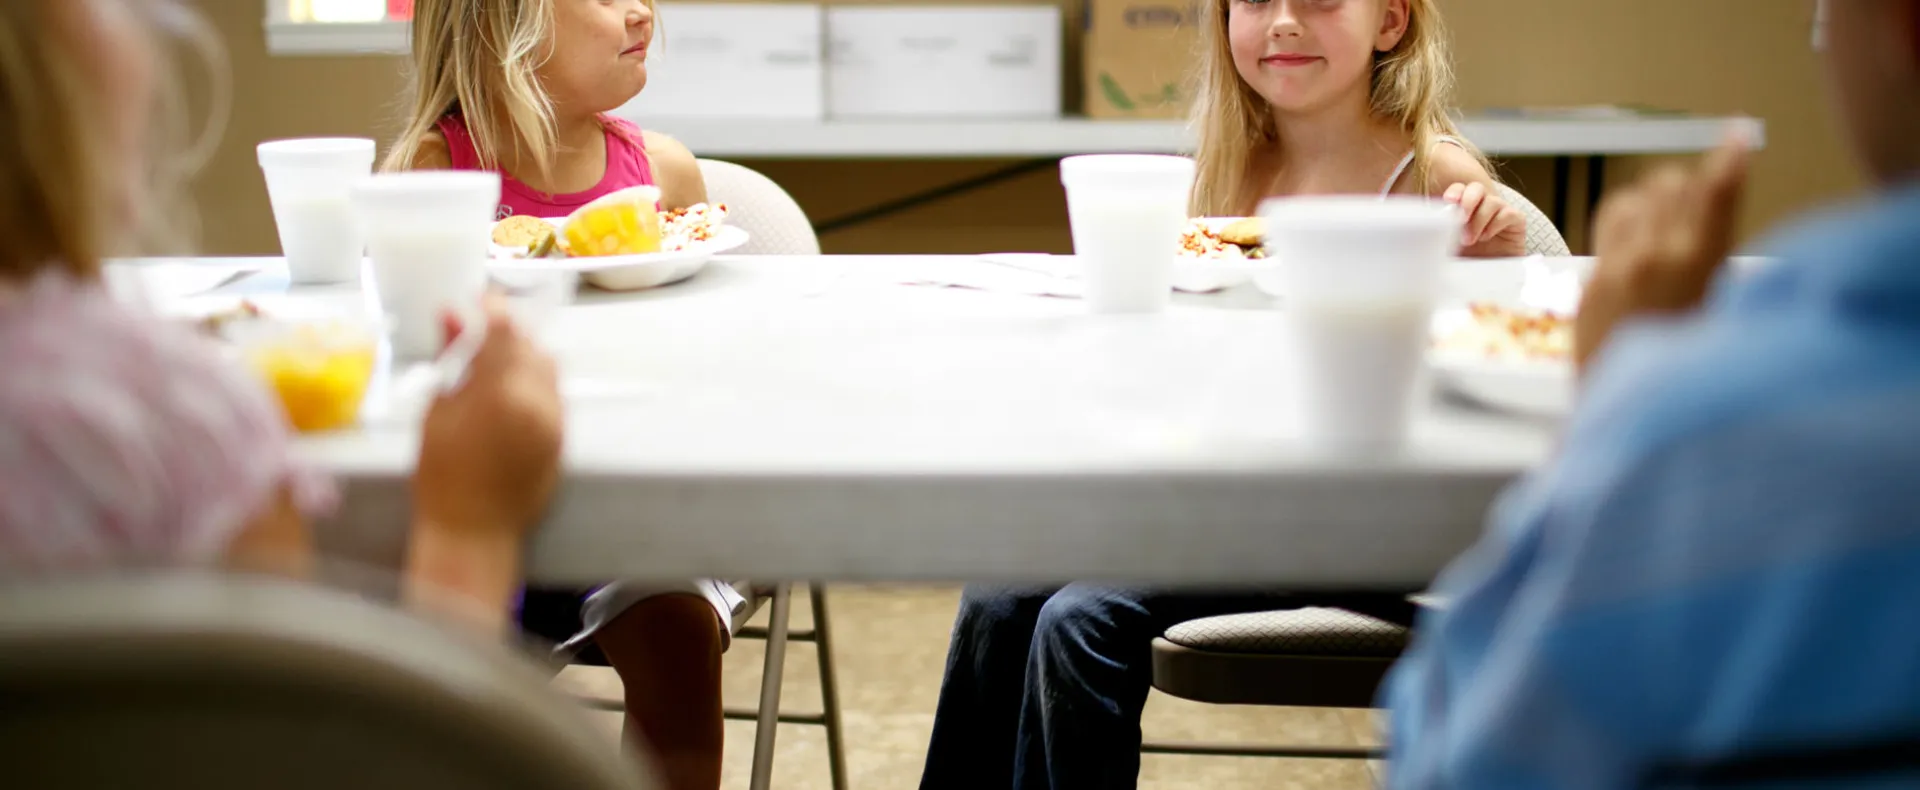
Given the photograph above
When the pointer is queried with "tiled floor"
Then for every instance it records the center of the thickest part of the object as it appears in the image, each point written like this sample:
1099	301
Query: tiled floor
890	648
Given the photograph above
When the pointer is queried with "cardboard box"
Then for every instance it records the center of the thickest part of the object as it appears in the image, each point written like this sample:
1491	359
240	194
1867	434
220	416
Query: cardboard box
944	61
1142	58
735	60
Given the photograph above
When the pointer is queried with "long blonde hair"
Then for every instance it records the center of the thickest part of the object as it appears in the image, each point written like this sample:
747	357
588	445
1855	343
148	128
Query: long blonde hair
68	196
1411	85
479	58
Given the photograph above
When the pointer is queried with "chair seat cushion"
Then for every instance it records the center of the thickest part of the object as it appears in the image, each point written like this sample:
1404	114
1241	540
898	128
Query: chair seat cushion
1311	631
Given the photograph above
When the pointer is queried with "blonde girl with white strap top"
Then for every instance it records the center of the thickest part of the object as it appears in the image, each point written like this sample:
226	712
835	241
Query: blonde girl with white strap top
1306	97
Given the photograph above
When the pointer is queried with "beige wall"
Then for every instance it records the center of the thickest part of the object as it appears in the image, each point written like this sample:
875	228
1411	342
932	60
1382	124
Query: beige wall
1713	56
281	97
1708	56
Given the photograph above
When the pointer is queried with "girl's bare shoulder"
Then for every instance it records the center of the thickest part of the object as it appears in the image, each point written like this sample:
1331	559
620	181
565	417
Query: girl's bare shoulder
675	170
1449	164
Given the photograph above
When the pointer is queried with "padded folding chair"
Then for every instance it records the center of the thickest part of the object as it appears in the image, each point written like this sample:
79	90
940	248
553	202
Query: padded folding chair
773	220
195	679
1312	657
1542	237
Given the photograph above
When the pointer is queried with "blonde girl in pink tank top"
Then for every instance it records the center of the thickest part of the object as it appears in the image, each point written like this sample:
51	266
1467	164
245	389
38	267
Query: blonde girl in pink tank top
541	114
526	88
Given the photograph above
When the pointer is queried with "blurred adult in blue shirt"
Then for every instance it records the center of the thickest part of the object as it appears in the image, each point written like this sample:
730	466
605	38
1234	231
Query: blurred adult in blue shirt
1717	582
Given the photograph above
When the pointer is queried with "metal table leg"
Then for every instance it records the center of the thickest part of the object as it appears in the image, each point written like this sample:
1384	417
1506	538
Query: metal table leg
1596	185
1562	185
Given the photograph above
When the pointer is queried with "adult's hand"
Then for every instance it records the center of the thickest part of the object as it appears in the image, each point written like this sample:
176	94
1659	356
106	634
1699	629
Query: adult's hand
1660	243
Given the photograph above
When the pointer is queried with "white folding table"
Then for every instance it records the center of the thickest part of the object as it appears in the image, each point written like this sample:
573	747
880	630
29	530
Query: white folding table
815	418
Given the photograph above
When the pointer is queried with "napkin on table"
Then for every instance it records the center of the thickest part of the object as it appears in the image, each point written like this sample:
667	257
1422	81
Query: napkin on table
152	284
1555	289
1032	273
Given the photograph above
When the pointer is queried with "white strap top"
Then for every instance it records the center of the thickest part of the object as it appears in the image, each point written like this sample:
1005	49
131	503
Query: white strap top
1407	162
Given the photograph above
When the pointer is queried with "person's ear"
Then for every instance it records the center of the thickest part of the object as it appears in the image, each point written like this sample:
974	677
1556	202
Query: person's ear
1394	23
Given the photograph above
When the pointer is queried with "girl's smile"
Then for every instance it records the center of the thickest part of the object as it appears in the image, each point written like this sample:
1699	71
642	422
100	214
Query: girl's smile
1289	60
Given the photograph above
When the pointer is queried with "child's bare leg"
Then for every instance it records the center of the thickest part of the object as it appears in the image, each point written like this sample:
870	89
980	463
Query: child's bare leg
666	650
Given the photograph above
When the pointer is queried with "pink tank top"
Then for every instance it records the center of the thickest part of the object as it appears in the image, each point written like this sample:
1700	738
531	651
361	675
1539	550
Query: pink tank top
627	166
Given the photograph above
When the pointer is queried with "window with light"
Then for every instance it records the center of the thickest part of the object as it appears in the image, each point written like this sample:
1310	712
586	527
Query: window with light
349	10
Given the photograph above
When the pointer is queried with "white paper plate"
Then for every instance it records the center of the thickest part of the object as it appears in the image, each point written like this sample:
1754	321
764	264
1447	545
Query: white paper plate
1535	388
1207	275
634	272
1532	387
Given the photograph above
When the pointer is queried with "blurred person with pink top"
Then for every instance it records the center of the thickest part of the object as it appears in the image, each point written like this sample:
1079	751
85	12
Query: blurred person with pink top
128	440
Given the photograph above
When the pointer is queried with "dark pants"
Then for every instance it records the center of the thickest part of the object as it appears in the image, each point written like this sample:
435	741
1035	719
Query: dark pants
1045	687
551	615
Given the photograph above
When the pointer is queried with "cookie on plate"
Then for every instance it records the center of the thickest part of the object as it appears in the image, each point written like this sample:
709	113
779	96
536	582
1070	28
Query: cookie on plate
522	232
1245	232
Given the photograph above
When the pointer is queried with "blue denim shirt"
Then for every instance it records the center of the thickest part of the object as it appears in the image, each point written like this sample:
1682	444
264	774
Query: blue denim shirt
1724	559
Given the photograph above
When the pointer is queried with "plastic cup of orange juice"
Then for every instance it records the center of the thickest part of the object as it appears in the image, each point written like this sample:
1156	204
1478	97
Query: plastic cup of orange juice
319	370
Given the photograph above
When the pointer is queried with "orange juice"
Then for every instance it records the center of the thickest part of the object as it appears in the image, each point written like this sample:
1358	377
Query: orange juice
320	374
626	222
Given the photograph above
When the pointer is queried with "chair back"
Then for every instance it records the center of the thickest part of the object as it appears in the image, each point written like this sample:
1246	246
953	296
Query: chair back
772	219
219	682
1542	237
